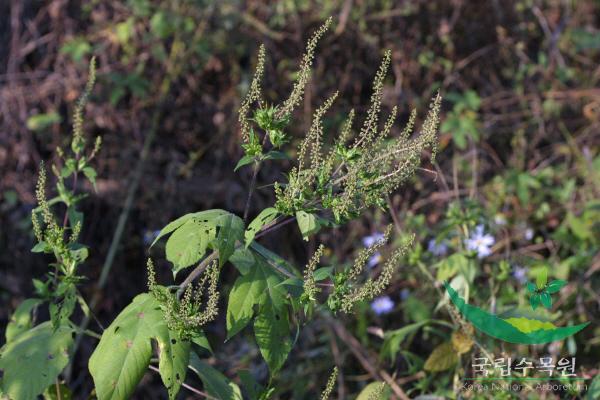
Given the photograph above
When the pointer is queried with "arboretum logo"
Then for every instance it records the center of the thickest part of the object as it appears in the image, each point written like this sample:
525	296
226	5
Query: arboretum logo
521	330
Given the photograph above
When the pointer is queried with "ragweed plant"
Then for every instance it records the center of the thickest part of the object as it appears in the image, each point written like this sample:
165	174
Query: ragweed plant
187	316
330	384
338	183
59	236
329	184
351	177
309	284
37	353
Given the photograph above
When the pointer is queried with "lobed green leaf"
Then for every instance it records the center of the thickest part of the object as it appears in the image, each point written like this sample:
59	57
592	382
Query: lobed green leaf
33	360
123	354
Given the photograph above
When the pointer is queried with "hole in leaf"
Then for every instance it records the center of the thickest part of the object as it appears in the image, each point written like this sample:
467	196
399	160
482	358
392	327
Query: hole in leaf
173	341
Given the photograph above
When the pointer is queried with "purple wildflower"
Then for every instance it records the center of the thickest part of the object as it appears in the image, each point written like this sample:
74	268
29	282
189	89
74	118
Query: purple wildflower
374	260
520	274
480	242
382	305
370	240
437	249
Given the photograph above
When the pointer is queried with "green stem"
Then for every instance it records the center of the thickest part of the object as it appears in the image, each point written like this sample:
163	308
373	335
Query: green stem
251	190
256	168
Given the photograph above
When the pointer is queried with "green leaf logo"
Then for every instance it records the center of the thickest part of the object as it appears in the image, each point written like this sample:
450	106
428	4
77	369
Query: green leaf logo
515	330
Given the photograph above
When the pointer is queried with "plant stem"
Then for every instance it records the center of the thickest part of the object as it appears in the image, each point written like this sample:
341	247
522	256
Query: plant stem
255	170
268	228
135	181
198	271
89	333
204	263
57	386
367	361
188	387
75	175
251	190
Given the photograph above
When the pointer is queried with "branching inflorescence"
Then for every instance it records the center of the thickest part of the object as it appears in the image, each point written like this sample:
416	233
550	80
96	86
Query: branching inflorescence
351	178
373	287
329	183
341	179
353	174
310	288
60	237
348	287
188	315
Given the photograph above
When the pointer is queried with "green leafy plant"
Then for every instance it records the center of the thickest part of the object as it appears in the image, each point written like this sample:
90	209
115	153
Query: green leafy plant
541	291
37	353
329	185
463	122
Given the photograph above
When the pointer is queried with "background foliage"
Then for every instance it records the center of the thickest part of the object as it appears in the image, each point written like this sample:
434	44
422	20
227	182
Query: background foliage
518	156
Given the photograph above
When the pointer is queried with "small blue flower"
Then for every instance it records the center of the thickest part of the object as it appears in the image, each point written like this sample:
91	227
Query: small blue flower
370	240
528	235
382	305
437	249
374	260
480	242
520	274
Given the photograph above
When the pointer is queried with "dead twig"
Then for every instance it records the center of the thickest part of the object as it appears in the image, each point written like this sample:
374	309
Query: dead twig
365	359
